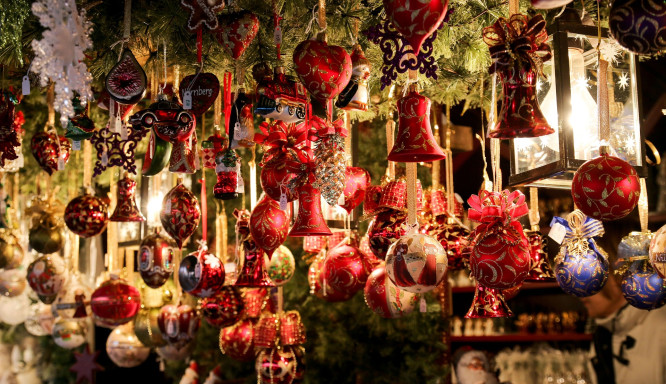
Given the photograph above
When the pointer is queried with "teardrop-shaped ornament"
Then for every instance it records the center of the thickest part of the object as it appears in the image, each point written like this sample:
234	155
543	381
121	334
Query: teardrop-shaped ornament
126	82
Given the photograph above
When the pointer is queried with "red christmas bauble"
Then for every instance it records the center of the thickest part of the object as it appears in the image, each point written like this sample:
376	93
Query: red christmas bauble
346	269
46	150
275	178
46	276
269	225
223	309
323	69
416	263
201	273
236	32
416	20
454	239
86	215
385	229
237	341
178	324
384	298
357	181
606	188
638	25
114	303
285	365
500	258
321	288
180	213
156	259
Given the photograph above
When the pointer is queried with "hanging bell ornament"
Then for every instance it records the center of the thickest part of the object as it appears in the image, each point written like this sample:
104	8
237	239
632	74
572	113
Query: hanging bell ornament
355	95
414	141
126	208
488	303
310	220
540	269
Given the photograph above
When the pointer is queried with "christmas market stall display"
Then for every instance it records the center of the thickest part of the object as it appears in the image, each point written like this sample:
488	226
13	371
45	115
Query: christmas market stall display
262	191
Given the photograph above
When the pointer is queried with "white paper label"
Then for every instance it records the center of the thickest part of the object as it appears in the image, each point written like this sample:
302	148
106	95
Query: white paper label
105	159
277	35
557	232
123	132
240	188
61	164
167	206
219	168
25	86
283	201
239	134
187	100
76	145
423	306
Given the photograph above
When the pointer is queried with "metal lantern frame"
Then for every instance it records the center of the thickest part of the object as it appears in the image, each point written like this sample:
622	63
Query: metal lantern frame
558	174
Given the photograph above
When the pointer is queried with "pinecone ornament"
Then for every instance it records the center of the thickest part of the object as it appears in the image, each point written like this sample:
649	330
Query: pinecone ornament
330	162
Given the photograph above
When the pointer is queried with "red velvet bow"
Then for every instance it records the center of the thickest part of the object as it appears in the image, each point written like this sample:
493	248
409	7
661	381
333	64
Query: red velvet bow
490	208
517	40
282	139
324	127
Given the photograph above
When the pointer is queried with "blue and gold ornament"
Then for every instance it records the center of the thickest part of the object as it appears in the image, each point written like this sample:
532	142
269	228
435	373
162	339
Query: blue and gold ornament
641	285
581	267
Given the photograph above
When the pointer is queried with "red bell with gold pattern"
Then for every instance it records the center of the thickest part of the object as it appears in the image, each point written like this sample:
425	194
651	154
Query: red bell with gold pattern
269	224
126	208
414	141
86	215
310	220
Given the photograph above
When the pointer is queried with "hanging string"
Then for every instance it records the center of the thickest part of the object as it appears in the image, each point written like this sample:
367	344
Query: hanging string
164	64
643	210
514	7
176	79
199	46
227	101
411	178
253	178
217	110
153	84
390	129
111	229
348	139
494	143
204	196
448	163
534	209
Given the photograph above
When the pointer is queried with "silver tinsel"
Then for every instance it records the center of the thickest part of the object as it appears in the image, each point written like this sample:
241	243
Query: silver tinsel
330	163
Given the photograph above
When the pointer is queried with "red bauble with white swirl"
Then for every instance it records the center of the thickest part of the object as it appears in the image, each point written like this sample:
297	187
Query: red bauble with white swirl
180	213
269	225
346	269
86	215
500	257
178	324
606	188
323	69
416	263
384	298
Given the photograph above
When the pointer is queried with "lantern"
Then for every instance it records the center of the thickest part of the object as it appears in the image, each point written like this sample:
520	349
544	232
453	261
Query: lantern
568	100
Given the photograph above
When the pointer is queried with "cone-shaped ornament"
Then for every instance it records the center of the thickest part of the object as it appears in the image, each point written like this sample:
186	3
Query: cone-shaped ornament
310	220
414	141
488	303
126	208
253	272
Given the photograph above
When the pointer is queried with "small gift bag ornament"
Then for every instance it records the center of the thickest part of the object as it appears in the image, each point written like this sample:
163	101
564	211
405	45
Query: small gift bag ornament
581	267
227	167
518	49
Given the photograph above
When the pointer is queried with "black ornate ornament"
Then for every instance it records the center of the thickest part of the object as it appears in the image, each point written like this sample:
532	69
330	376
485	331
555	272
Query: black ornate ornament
113	151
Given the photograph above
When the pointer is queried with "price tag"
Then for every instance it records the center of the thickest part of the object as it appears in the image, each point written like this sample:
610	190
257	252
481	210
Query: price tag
105	159
239	134
283	201
240	188
557	232
25	86
76	145
61	164
423	306
167	206
187	100
277	35
123	132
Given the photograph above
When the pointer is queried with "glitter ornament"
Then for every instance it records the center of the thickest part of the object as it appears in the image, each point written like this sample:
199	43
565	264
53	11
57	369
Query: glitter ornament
385	229
637	25
12	282
48	149
285	365
416	263
46	276
384	298
201	273
73	299
641	285
124	348
126	81
255	300
237	341
156	257
86	215
236	32
223	309
330	166
581	267
59	55
269	225
605	188
11	252
45	234
69	334
40	320
178	324
180	213
114	303
346	268
281	266
202	14
146	328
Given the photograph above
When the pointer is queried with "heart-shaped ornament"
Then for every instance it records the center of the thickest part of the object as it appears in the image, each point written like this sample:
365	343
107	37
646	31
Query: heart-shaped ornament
47	151
203	89
357	181
416	20
323	69
236	31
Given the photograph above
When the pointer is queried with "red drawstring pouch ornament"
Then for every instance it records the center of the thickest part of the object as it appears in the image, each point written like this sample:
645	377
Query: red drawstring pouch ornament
500	251
518	49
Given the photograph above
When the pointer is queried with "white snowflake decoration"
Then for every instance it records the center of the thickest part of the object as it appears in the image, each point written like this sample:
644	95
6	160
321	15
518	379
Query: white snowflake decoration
611	51
59	54
623	81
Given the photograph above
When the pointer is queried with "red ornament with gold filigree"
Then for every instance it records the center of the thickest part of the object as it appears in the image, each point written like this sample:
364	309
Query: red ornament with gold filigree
86	215
518	49
346	268
606	188
180	213
310	220
269	224
237	341
416	20
488	303
223	309
385	229
48	149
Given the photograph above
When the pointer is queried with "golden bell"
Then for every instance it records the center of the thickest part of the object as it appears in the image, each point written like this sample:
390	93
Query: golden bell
310	220
126	208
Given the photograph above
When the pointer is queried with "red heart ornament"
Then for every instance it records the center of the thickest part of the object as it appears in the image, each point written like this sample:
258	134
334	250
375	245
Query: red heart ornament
203	89
45	148
357	181
323	69
236	32
416	20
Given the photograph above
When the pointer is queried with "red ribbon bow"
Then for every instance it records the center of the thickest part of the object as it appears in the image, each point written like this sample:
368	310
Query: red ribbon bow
324	127
517	40
282	139
490	208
